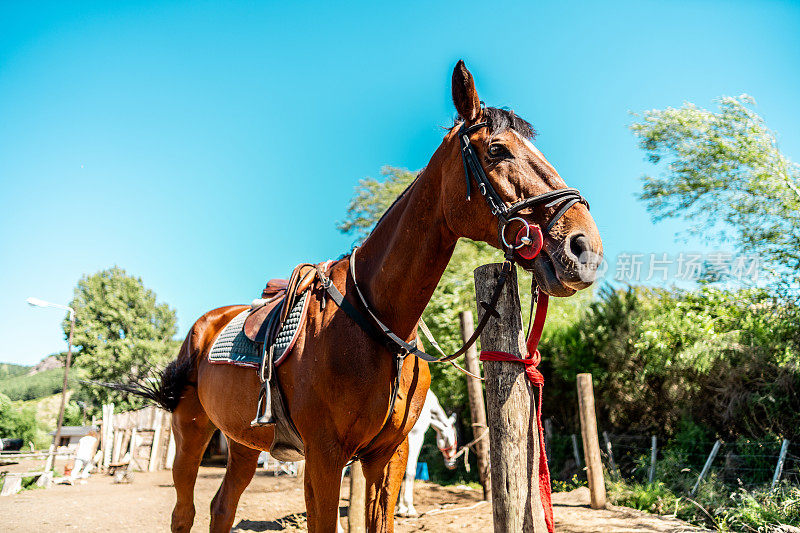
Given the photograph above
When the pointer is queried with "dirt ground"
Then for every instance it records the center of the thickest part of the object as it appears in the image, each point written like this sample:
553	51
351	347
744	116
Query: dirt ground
276	504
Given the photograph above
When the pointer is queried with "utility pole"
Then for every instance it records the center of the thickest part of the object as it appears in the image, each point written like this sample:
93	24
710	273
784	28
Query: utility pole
57	436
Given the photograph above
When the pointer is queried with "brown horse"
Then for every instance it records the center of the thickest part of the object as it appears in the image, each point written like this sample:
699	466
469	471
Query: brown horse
338	380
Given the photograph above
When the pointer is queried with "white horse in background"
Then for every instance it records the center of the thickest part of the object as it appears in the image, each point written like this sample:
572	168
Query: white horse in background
432	415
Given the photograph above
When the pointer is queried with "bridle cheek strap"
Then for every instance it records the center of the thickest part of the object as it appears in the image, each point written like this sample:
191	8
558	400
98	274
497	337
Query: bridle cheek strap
566	197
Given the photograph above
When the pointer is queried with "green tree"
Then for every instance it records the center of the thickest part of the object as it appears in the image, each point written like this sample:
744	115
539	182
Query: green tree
18	422
121	332
725	173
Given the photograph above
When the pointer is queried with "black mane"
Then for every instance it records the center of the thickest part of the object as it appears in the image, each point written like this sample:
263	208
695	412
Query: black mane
500	120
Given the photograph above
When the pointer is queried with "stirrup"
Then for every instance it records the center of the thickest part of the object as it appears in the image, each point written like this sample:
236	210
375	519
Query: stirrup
264	416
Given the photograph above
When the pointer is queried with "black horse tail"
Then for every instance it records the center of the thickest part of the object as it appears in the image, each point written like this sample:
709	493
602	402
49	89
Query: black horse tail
164	387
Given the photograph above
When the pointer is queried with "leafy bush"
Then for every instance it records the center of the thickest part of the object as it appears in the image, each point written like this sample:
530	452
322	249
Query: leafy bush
715	506
571	484
19	422
727	360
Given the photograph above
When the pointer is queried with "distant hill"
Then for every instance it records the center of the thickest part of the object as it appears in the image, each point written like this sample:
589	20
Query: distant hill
48	363
8	370
46	408
31	387
20	382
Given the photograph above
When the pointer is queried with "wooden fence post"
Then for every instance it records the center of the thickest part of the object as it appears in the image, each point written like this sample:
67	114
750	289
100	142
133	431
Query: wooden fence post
133	449
476	406
614	469
706	467
108	433
357	510
50	462
170	457
548	441
575	451
511	411
591	444
152	464
651	473
779	467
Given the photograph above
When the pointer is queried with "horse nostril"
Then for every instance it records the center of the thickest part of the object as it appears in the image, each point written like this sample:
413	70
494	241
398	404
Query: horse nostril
578	245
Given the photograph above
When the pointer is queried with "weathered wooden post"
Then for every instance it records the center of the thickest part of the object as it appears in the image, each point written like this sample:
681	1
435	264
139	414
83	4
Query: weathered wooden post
108	433
707	466
591	444
610	450
476	406
575	451
169	460
548	440
152	464
651	473
511	410
357	510
779	467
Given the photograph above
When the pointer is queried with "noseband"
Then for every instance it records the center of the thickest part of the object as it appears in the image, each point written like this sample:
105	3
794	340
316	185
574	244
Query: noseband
567	197
400	349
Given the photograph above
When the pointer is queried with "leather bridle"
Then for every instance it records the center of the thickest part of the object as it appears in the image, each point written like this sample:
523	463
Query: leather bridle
505	214
566	197
473	168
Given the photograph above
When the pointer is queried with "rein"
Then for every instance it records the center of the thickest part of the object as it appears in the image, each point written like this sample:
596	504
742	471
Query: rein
528	243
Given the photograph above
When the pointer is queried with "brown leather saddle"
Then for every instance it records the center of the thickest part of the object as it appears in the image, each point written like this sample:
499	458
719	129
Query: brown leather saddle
265	326
268	314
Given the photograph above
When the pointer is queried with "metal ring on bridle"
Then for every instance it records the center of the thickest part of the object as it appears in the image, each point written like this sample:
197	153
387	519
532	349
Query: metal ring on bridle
524	241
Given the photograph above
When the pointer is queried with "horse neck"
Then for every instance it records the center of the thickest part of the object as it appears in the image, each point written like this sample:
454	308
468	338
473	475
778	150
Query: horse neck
439	420
401	262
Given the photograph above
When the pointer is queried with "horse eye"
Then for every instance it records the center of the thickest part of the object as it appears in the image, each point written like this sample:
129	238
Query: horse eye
498	150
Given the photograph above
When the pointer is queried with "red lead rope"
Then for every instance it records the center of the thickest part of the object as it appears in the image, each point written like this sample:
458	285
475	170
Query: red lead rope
538	380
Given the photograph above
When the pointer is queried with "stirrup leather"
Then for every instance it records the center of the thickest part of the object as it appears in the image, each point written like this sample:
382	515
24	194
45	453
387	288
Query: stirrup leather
264	415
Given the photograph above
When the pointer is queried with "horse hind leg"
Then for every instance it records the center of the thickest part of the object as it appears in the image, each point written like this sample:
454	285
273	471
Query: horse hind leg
192	429
242	464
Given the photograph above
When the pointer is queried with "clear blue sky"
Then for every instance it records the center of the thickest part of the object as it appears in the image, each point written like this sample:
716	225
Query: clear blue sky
166	137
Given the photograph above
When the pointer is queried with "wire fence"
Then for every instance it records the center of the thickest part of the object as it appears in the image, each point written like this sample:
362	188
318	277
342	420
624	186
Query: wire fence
743	463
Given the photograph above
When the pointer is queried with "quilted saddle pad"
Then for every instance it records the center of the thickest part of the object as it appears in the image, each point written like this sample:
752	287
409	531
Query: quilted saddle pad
234	348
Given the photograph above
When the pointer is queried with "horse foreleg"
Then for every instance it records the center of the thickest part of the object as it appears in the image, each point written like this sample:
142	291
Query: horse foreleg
242	463
384	476
192	430
323	478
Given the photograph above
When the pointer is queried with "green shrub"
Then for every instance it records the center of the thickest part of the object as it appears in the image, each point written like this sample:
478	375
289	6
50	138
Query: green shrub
19	422
714	505
571	484
727	360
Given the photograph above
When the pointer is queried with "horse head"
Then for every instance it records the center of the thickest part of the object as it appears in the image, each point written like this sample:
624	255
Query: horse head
446	438
536	211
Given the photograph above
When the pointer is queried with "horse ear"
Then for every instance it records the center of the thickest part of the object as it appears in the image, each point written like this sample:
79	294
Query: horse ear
453	418
465	97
